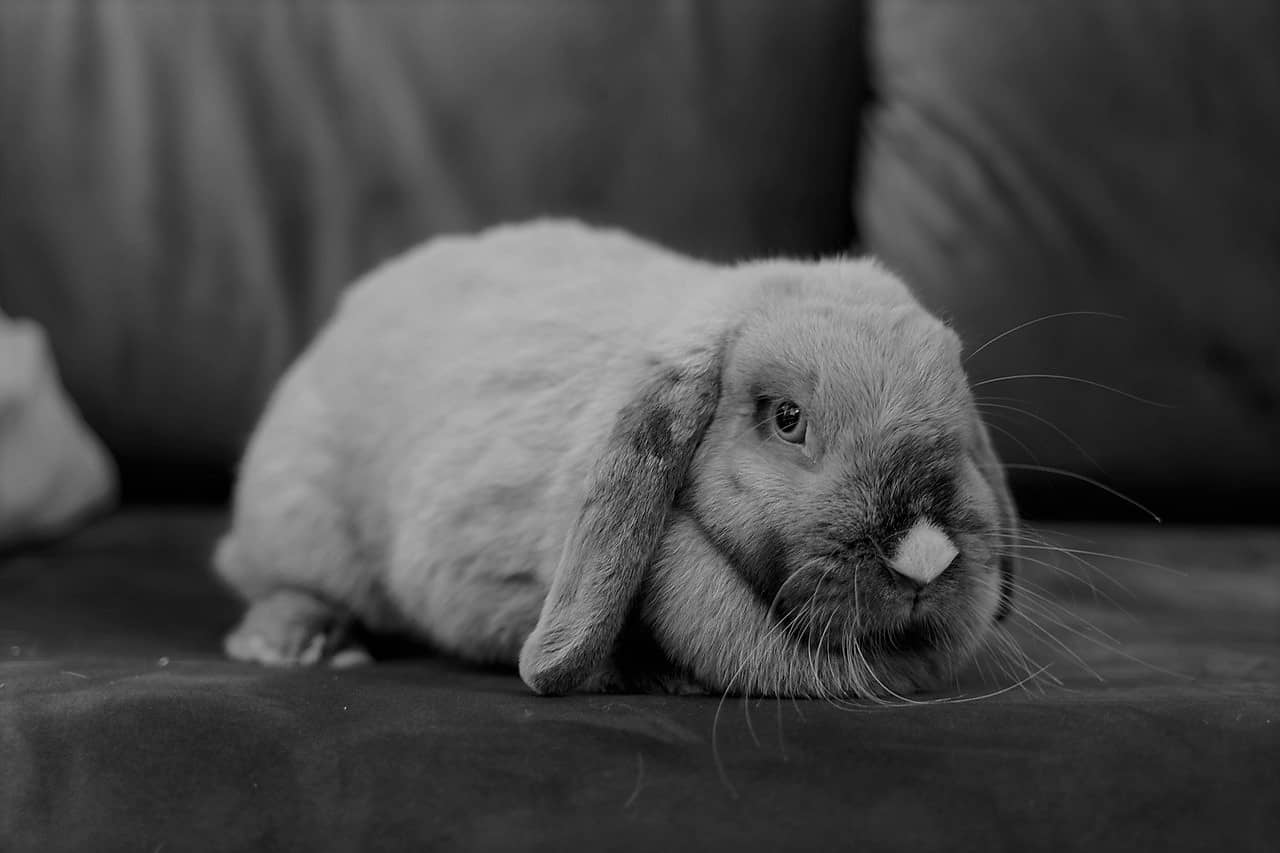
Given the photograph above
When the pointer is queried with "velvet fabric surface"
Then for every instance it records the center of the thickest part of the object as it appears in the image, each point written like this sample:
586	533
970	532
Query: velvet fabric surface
1026	159
186	186
122	728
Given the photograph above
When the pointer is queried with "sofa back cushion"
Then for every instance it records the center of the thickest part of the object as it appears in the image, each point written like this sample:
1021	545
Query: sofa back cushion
185	187
1030	158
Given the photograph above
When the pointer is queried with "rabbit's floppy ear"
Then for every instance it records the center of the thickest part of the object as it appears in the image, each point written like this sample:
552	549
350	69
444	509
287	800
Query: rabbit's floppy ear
989	465
629	492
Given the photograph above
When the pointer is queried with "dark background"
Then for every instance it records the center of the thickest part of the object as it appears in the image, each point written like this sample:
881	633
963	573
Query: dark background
185	187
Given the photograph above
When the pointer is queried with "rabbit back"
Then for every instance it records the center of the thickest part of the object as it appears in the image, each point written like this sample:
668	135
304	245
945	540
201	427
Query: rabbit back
423	460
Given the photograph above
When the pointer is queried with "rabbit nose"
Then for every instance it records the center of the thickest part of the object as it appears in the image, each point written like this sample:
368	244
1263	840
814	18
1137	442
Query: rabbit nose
923	553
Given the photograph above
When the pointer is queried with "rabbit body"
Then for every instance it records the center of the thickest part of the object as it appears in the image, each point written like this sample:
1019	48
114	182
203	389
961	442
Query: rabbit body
421	462
517	444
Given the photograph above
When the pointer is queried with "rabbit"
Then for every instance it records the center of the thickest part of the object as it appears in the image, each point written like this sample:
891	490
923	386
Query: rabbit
568	450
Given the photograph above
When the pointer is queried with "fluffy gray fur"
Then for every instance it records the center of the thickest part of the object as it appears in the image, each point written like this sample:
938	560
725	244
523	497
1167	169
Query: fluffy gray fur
535	445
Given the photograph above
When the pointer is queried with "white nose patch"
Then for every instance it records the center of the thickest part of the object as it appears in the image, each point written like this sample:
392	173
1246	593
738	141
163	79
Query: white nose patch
924	553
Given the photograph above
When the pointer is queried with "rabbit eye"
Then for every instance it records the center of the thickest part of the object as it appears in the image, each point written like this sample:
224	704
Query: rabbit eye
789	422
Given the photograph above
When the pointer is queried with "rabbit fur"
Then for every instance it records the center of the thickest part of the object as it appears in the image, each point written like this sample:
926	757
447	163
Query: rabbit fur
547	445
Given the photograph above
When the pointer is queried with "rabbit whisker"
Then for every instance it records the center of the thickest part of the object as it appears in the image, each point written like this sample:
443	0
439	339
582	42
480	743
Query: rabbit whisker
1048	423
1083	581
1065	378
1074	555
1009	435
1027	587
1119	557
1055	613
964	699
1053	610
749	660
1062	472
1046	317
1028	611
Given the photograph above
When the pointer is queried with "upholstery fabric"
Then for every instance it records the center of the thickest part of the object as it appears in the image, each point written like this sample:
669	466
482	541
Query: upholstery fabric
1028	158
184	187
121	728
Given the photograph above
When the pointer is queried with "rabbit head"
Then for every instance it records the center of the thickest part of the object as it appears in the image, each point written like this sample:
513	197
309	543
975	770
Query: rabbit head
802	502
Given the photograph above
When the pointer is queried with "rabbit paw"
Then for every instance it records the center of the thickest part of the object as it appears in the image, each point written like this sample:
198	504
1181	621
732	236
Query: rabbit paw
292	628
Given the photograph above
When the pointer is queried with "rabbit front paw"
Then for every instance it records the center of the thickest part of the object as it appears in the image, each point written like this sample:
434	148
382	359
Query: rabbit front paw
292	628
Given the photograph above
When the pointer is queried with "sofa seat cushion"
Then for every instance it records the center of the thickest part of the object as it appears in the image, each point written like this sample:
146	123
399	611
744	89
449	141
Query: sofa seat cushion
121	726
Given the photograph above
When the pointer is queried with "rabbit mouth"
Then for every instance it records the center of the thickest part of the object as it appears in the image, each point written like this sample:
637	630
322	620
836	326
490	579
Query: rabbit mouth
836	606
922	636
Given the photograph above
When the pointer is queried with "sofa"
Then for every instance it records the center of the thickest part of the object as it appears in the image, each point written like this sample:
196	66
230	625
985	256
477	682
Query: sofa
1084	189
